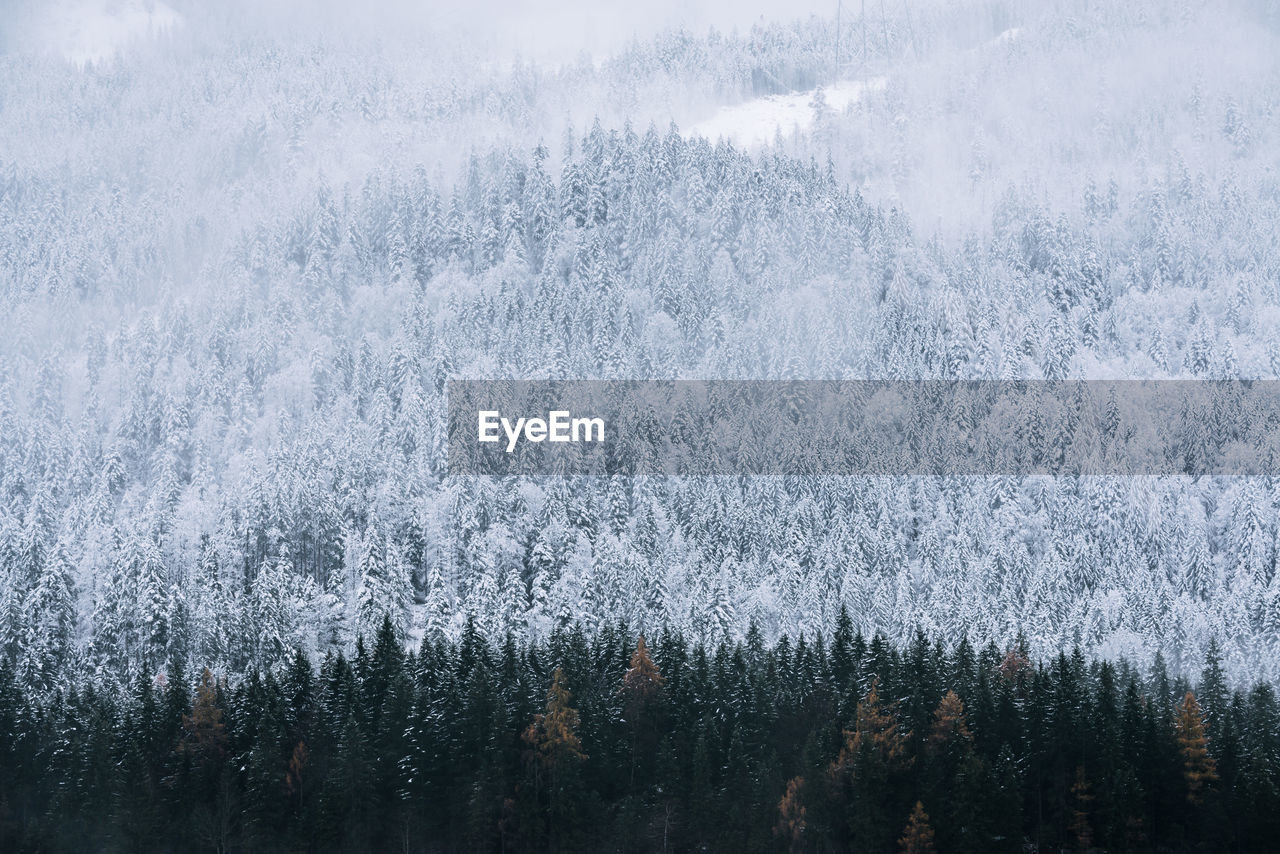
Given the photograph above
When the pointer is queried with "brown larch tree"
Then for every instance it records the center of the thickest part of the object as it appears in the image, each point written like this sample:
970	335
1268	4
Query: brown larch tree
791	815
642	680
876	727
640	685
204	734
1198	767
556	753
553	734
297	764
918	836
949	722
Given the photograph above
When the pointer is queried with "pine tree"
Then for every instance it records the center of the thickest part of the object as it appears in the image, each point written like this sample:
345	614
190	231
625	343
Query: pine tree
557	753
949	723
1199	769
866	775
954	777
918	836
641	685
791	816
553	734
642	681
296	773
205	737
50	621
1213	690
1082	798
875	730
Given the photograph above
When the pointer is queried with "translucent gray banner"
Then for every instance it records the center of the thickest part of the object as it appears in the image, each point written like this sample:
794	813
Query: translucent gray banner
1123	427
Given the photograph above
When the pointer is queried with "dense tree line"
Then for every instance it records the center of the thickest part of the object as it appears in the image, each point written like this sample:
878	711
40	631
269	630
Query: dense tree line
603	741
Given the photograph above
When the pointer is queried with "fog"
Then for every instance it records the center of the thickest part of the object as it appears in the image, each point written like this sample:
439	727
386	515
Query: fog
555	32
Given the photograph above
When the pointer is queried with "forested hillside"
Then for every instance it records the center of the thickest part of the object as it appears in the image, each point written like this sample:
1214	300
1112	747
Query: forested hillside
239	272
227	477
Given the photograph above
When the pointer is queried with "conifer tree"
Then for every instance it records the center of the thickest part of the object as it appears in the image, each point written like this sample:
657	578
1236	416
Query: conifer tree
875	731
1080	821
866	773
1213	693
953	777
949	723
557	753
791	816
918	836
640	687
642	680
1199	769
205	737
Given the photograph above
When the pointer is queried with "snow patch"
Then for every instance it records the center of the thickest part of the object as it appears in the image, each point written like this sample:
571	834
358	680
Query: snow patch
417	627
96	30
756	122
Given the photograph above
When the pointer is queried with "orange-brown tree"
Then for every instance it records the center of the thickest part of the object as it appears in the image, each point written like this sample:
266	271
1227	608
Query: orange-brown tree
204	733
949	723
953	776
791	816
203	746
918	836
641	685
875	731
555	756
1198	767
867	777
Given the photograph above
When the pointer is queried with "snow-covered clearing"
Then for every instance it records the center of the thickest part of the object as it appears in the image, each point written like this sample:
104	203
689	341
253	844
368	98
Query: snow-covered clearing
756	122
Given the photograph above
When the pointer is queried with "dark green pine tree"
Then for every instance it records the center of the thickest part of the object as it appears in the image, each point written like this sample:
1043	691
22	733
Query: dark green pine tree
346	798
265	772
1213	695
13	784
1258	790
388	696
143	741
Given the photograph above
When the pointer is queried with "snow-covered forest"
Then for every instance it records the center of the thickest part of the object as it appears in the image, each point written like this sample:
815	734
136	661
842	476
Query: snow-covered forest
239	263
